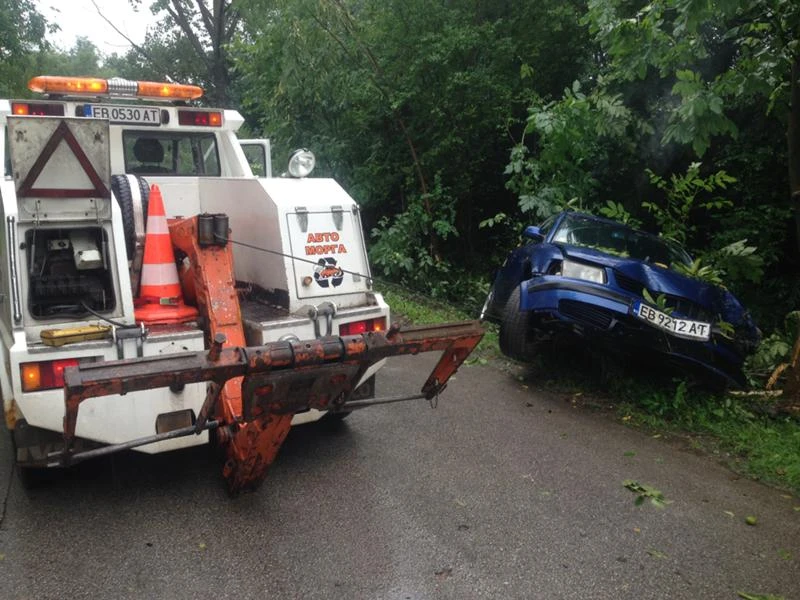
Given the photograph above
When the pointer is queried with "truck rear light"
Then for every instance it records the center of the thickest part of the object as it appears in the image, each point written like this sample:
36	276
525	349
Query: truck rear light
356	327
38	109
202	118
45	375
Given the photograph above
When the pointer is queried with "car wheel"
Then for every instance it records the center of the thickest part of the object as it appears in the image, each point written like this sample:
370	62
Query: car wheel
515	329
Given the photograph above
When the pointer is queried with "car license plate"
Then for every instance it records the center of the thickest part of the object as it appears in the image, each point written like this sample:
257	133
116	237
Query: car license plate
695	330
137	115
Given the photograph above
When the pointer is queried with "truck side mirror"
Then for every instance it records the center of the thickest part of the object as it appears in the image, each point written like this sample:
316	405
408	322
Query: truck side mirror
533	233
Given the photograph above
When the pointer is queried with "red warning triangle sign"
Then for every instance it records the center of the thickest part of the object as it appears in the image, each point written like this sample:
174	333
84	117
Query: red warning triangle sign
63	133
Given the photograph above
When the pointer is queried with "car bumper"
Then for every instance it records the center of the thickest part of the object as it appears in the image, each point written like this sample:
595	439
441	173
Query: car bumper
606	316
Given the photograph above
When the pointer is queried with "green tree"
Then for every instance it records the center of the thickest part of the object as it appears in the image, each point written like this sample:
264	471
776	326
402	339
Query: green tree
407	103
687	80
189	43
83	59
22	39
719	56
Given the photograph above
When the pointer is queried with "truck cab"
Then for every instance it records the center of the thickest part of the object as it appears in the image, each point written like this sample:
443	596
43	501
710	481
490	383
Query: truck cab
80	163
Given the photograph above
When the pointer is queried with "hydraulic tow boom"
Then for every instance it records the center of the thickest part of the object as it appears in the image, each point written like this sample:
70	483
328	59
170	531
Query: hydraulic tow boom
279	379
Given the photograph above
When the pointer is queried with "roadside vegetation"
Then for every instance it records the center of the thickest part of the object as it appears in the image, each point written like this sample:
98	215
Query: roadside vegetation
456	123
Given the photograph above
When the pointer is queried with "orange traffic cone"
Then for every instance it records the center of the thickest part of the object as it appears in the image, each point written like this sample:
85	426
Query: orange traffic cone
160	298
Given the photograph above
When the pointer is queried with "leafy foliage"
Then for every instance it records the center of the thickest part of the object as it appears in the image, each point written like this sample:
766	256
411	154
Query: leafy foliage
22	41
674	218
644	492
399	247
773	350
616	211
570	138
394	94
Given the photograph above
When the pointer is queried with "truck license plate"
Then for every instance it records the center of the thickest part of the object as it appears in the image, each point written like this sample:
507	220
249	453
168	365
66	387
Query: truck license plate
138	115
695	330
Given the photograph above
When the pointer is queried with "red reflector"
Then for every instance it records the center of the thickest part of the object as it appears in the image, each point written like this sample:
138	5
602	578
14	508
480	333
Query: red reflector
199	118
39	109
47	375
353	328
356	327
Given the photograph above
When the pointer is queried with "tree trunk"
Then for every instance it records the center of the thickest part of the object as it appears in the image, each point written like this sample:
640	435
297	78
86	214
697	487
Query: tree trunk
793	135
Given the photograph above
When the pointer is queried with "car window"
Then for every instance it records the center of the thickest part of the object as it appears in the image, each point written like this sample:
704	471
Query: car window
179	154
619	240
547	225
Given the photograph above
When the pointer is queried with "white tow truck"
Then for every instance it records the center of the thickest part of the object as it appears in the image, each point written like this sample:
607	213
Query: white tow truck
79	165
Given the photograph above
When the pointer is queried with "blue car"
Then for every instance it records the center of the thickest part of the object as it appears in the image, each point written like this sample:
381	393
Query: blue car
615	289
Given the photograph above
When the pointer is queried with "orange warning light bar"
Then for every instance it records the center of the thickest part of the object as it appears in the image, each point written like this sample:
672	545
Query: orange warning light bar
175	91
116	87
48	84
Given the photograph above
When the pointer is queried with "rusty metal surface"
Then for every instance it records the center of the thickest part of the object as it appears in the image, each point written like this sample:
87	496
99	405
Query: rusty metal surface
278	379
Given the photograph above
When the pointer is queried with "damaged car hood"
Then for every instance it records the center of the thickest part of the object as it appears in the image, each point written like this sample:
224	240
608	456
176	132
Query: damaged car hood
661	280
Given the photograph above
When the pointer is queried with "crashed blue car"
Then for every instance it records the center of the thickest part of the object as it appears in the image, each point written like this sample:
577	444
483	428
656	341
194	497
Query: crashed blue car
615	289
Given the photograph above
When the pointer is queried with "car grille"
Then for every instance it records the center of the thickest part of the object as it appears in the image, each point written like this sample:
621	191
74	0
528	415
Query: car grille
628	284
685	307
586	314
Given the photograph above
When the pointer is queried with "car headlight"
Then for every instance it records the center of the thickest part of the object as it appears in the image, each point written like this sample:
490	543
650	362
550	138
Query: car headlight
577	270
301	163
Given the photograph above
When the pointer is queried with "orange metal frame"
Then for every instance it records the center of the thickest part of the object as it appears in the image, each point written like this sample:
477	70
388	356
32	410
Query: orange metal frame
254	392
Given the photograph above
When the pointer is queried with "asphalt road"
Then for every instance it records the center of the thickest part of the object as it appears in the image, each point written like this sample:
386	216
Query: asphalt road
502	492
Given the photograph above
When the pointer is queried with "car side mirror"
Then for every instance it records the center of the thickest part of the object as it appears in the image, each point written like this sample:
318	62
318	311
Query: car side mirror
533	233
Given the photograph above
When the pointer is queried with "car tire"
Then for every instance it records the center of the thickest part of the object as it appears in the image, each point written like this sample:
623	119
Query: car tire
122	186
515	330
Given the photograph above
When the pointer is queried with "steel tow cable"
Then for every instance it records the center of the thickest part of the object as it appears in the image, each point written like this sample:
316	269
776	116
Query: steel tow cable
427	299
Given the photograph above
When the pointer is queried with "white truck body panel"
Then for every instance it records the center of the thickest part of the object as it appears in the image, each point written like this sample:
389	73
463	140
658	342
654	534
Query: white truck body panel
281	229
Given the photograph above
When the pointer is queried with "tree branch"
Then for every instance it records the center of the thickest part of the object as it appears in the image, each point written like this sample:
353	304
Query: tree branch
179	16
139	49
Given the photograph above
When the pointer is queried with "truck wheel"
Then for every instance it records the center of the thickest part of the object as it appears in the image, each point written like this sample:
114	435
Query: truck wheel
130	198
335	417
515	330
29	477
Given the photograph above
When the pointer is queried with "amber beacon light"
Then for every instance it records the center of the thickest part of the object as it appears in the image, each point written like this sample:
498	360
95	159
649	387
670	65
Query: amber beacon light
116	87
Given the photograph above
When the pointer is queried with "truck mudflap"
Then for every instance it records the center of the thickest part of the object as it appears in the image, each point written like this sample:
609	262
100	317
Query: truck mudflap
277	380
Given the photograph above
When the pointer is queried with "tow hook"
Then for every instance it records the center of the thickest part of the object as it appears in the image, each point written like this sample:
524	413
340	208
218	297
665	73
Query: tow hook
327	310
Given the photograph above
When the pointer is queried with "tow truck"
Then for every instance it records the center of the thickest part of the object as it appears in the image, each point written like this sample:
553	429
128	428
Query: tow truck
160	283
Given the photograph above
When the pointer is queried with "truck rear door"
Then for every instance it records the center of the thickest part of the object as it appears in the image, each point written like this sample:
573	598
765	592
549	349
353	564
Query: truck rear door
330	246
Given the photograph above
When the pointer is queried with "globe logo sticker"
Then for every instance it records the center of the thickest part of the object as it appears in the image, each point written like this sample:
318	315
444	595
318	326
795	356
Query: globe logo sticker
326	273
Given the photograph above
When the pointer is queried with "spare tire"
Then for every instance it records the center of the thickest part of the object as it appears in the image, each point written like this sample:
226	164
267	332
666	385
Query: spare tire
132	193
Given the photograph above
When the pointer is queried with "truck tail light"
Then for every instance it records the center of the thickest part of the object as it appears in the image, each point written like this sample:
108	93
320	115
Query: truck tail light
356	327
45	375
202	118
39	109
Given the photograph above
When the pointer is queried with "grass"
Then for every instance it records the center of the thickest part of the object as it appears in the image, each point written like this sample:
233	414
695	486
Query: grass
410	308
735	429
